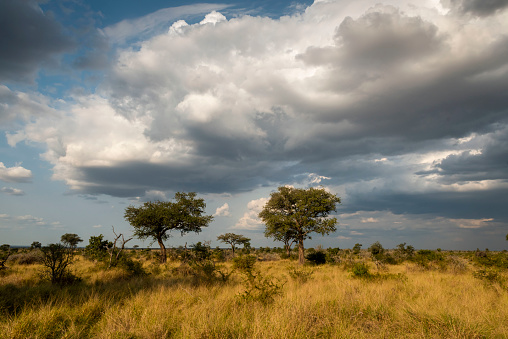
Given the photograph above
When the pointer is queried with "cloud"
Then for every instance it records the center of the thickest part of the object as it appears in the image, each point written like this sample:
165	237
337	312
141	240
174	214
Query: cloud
472	223
33	38
369	220
223	211
250	219
400	108
15	174
16	105
477	7
152	23
12	191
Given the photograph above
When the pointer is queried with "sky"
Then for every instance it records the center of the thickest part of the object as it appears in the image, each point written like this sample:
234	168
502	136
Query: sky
398	107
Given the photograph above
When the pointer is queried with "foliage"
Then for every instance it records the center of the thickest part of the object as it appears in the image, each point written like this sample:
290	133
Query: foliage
97	248
70	239
203	267
499	260
156	219
35	245
316	257
28	258
428	259
376	249
356	248
56	259
360	270
489	275
234	239
403	252
5	252
296	213
257	287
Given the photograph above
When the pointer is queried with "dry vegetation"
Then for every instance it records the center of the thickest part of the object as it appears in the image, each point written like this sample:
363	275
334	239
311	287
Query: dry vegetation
460	298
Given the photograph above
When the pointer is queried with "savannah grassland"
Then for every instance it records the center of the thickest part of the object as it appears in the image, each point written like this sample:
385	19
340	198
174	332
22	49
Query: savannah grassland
458	298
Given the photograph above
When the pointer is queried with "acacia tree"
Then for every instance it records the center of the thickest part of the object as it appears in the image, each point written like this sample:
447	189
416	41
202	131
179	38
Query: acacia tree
297	212
71	240
156	219
233	240
286	235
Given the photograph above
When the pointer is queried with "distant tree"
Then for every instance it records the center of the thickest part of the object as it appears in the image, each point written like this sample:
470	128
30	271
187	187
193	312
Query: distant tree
156	219
356	248
70	240
299	212
35	245
377	250
5	252
233	240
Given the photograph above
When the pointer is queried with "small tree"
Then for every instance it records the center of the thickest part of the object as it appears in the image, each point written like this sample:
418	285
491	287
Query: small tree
35	245
5	252
156	219
356	248
70	240
233	240
57	258
299	212
97	248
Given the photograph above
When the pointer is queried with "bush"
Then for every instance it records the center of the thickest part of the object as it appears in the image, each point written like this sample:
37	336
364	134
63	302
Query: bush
29	258
56	259
360	270
316	257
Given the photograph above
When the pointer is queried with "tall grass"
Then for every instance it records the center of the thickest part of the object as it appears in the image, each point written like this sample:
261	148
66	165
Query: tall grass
332	303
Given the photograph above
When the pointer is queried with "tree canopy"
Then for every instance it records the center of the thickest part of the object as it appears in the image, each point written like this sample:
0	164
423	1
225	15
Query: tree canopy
233	240
295	213
70	239
156	219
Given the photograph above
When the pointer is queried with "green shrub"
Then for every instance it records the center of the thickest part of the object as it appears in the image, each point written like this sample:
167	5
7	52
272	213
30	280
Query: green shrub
316	257
360	270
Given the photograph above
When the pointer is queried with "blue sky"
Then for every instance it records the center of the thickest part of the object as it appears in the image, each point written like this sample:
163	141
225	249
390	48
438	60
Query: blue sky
399	107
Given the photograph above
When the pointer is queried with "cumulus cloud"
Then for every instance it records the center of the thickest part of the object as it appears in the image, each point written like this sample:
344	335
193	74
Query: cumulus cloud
222	211
15	174
12	191
250	219
379	100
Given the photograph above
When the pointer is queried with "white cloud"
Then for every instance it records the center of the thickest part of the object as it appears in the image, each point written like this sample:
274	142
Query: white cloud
250	219
15	174
369	220
223	211
152	23
472	223
342	237
12	191
97	226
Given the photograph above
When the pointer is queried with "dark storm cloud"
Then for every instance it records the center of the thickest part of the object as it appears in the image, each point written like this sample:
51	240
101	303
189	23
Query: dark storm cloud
29	38
489	163
135	178
477	204
478	7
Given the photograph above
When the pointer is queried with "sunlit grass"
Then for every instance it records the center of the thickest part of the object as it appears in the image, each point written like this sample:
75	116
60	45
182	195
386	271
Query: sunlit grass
400	303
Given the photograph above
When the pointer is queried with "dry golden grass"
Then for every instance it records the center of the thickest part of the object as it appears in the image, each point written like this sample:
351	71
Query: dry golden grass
332	304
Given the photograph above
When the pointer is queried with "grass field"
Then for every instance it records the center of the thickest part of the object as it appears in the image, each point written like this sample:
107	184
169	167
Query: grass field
406	300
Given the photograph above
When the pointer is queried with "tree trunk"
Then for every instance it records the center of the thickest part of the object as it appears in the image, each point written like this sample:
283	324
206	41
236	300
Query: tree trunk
163	251
288	250
301	251
233	248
